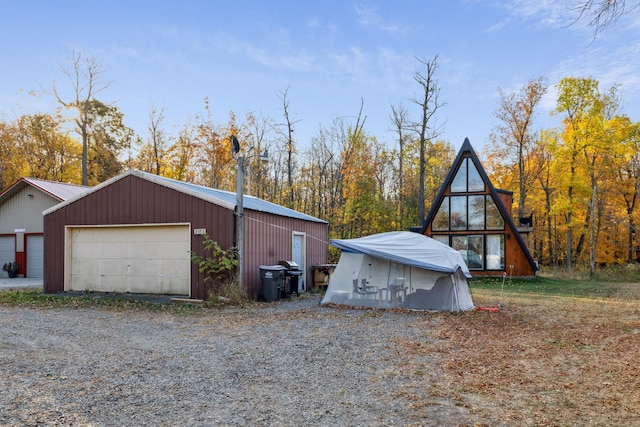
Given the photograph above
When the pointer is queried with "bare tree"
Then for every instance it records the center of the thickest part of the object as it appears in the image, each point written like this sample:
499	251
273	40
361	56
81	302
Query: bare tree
260	129
157	137
85	74
321	174
602	13
426	128
400	123
289	143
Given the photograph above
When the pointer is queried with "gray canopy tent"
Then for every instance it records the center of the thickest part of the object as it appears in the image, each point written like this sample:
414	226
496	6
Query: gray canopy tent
399	269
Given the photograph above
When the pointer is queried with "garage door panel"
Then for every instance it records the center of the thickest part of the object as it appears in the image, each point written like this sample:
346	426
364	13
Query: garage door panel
166	250
166	285
85	282
152	250
163	233
154	267
114	267
98	267
35	256
135	259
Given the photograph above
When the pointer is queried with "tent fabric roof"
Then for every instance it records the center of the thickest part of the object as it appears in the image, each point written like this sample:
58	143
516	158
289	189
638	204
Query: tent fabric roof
408	248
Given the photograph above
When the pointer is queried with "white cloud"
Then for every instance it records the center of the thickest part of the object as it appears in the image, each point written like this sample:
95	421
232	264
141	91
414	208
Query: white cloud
608	66
496	27
367	17
546	13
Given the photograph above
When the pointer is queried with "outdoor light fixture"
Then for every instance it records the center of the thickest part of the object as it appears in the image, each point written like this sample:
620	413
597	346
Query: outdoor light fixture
235	144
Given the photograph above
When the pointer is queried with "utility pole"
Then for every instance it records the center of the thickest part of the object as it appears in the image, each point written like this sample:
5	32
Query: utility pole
239	211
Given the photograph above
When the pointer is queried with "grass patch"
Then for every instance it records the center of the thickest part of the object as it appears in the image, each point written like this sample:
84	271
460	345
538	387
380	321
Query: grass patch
551	286
37	298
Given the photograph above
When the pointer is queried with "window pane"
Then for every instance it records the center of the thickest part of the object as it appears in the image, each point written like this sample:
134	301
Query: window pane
475	181
441	219
495	252
442	239
494	219
475	252
459	212
459	182
470	247
459	243
476	212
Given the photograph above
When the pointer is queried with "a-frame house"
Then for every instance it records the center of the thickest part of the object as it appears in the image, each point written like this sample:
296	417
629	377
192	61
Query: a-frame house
470	215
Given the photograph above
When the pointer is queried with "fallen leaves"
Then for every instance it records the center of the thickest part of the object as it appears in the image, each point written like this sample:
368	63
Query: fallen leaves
539	361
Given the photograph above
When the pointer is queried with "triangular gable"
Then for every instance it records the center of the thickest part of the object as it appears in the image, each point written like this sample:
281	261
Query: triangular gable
467	151
57	190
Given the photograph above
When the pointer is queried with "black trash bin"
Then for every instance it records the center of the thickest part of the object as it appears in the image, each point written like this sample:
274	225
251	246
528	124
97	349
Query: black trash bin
271	278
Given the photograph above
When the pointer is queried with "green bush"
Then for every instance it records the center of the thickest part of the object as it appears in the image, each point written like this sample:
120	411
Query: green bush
218	269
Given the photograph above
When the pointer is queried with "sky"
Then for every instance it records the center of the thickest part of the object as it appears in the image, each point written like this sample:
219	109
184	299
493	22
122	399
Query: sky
329	56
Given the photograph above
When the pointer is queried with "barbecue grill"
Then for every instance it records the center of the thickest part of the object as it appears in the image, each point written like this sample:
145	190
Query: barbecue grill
292	273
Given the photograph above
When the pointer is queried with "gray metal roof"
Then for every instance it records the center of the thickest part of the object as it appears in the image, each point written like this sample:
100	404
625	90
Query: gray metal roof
222	198
57	190
228	199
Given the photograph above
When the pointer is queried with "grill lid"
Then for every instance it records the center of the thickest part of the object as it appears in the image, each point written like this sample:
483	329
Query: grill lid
290	265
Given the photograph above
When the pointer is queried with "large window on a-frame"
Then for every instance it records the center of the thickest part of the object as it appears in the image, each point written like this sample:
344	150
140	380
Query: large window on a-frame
471	220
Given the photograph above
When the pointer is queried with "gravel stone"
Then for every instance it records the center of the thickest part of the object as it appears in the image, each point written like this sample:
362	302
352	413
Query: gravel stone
287	363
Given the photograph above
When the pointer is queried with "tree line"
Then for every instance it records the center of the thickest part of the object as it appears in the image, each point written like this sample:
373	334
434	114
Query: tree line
579	182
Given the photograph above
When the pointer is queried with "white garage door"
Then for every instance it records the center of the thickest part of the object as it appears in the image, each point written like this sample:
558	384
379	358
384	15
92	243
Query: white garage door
35	256
136	259
7	251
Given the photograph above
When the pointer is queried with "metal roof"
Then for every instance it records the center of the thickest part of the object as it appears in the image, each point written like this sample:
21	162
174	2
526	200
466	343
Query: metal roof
227	198
57	190
222	198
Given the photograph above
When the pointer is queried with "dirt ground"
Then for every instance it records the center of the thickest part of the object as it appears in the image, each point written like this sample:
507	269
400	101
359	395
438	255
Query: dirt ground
538	361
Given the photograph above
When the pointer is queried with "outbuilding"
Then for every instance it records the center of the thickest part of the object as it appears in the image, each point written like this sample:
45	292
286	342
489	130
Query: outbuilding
21	224
136	233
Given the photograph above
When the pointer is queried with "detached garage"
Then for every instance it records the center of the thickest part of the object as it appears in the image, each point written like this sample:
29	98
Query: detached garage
155	259
135	233
21	225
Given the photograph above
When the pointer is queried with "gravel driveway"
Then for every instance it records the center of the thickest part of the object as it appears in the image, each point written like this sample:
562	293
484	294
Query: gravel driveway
282	364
